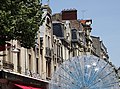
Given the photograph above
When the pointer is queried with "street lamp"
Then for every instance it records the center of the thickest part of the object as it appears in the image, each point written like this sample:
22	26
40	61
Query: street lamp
15	50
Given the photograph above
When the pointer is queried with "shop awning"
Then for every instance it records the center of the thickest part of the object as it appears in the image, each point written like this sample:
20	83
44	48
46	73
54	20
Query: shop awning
26	87
34	88
23	87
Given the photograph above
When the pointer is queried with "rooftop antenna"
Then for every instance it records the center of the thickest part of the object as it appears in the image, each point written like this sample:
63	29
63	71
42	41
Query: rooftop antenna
83	13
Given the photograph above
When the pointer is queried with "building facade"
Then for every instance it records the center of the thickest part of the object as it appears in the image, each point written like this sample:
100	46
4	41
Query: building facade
61	37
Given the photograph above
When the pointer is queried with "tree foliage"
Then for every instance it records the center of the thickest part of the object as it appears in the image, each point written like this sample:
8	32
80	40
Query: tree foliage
20	20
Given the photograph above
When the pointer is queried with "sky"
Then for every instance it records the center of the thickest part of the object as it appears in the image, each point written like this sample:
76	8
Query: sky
105	15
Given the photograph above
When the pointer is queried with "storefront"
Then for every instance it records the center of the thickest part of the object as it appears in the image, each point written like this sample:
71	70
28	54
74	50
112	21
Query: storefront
10	80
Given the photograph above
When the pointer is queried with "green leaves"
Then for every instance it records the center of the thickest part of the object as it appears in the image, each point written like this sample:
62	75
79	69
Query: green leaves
20	20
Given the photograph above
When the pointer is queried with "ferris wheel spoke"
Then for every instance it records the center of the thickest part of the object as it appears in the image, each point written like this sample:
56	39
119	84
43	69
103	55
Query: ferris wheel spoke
111	84
95	76
93	73
71	69
69	73
106	75
68	83
73	64
64	85
99	80
66	79
80	75
73	72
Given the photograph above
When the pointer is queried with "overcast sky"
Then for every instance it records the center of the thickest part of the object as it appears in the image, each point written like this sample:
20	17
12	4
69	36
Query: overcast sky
106	20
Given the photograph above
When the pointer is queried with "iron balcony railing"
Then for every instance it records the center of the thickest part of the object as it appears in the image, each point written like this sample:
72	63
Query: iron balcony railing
19	69
8	65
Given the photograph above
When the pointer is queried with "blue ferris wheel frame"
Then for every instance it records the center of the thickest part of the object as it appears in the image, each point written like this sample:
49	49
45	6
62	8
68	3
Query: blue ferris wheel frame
85	72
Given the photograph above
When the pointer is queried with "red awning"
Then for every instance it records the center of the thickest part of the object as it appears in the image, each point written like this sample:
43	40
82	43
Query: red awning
26	87
23	87
34	88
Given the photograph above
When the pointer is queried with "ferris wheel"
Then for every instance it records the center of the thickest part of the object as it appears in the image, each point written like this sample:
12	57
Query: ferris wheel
85	72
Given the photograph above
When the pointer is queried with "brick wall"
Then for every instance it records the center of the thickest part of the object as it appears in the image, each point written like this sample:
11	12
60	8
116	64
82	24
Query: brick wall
69	14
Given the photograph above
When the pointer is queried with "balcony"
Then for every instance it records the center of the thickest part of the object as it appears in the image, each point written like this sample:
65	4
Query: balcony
48	52
8	65
19	69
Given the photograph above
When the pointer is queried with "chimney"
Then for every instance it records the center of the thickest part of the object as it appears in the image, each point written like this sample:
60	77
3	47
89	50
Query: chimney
69	14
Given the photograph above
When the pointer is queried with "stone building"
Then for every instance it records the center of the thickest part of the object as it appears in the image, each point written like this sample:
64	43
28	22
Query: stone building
28	68
46	37
80	31
99	48
61	37
62	32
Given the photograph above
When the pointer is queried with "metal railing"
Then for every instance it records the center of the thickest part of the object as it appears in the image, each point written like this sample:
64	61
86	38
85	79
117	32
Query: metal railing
8	65
19	69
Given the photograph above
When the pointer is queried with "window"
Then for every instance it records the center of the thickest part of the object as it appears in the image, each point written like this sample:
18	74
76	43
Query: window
18	62
74	34
30	62
48	42
9	55
41	56
61	53
54	68
58	30
37	65
48	68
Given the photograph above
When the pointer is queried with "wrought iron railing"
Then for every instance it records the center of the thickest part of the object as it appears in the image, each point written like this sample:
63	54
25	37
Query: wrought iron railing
8	65
19	69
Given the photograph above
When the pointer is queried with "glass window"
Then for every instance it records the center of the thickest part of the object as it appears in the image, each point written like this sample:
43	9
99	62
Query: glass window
37	65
